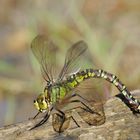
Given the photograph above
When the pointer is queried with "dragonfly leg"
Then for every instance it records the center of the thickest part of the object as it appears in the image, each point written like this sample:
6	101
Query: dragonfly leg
34	116
46	117
62	116
75	94
74	121
87	108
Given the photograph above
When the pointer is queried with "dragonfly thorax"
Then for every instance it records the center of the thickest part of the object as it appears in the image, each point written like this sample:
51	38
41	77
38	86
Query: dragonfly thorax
56	92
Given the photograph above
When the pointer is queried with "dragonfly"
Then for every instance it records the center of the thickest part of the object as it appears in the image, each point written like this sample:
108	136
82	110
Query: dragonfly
73	87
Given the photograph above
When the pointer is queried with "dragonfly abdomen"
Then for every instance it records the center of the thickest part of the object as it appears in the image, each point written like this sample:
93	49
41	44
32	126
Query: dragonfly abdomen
75	79
120	86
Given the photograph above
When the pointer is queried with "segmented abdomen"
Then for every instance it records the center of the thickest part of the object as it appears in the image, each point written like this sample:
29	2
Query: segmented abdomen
75	79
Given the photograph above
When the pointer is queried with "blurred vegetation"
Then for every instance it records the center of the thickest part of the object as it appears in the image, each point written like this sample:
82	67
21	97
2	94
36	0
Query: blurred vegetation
110	28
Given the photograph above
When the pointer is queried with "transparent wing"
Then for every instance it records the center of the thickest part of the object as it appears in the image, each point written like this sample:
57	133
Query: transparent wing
75	58
45	52
96	92
57	123
89	100
94	89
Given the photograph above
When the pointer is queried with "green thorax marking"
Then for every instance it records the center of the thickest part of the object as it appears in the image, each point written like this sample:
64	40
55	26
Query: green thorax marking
57	92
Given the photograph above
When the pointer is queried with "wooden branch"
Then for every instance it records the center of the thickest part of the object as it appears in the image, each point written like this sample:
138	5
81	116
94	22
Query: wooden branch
121	124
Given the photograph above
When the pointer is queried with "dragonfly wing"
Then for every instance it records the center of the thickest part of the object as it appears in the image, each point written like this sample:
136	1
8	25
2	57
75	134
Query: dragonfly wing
96	92
57	122
75	55
91	93
96	118
45	52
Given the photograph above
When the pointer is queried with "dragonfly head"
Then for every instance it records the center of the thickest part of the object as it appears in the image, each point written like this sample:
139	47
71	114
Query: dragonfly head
41	103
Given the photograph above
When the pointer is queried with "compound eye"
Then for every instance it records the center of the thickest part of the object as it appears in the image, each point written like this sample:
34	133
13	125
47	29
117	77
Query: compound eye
34	101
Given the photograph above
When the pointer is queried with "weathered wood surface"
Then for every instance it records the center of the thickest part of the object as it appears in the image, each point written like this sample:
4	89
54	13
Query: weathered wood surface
121	124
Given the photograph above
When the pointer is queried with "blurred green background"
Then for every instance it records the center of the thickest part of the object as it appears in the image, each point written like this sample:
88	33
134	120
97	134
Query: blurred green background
110	28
